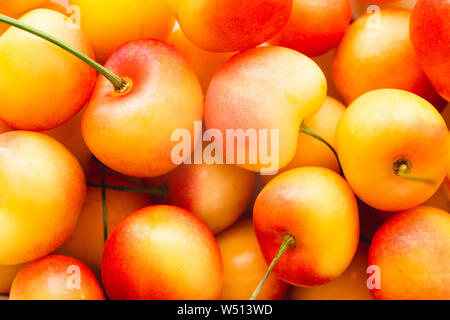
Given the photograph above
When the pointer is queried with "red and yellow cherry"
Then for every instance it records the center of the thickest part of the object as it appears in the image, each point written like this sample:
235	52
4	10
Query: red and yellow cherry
56	277
162	252
231	25
15	8
69	134
351	285
269	88
306	222
139	19
43	189
377	54
7	275
190	187
163	95
430	35
411	251
310	151
87	241
57	85
205	63
244	265
315	26
391	164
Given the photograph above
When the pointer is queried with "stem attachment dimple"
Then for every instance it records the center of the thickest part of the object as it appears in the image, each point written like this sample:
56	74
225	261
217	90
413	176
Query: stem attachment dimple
402	168
311	133
120	85
289	242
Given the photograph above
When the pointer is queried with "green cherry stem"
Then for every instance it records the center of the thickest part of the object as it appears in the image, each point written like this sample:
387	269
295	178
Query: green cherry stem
119	84
104	208
402	168
304	129
158	191
415	178
288	243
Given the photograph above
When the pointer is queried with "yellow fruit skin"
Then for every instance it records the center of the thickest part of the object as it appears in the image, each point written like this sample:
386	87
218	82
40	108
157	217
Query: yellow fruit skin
231	25
270	88
375	53
165	97
42	190
110	23
317	207
411	250
54	278
162	253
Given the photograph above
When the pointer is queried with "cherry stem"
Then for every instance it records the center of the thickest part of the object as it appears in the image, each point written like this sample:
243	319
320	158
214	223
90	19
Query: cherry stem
311	133
158	191
402	168
120	85
288	243
104	208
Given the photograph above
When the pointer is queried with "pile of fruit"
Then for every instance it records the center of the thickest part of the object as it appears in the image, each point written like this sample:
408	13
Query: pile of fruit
119	177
